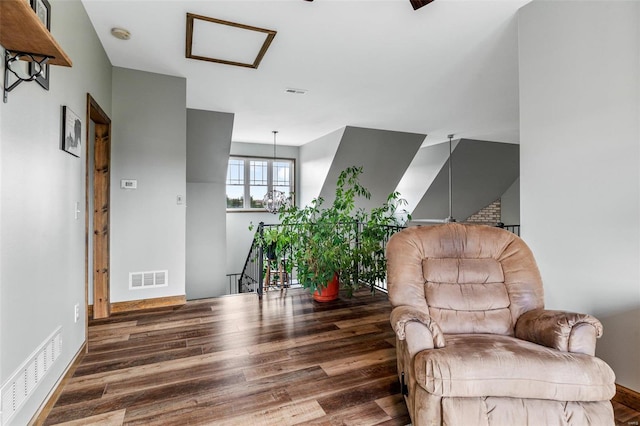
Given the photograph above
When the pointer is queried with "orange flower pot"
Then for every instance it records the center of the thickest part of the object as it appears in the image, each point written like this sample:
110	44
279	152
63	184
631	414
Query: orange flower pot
329	292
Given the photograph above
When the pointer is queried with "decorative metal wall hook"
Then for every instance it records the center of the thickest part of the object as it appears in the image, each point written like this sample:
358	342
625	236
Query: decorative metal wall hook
11	60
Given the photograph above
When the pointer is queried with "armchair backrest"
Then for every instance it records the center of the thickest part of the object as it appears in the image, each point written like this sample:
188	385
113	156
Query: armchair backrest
469	278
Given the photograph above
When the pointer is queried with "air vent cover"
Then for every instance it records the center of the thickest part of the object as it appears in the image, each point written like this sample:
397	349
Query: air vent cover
295	91
21	384
149	279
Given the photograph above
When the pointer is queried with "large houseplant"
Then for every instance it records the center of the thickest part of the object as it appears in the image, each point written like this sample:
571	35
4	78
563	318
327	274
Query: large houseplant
339	240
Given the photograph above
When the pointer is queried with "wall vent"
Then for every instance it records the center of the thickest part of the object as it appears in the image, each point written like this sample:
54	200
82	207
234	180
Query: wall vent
21	384
293	91
150	279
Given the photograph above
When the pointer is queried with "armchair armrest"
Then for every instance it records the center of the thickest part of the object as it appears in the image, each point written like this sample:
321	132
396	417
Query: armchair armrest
402	315
565	331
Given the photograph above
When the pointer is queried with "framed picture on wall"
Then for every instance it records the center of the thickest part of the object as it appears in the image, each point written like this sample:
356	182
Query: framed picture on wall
71	132
43	11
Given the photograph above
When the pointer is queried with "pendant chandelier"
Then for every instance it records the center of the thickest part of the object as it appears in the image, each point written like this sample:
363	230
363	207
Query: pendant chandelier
275	200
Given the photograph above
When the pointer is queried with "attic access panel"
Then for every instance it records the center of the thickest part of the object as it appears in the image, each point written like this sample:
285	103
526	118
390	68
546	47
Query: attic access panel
225	42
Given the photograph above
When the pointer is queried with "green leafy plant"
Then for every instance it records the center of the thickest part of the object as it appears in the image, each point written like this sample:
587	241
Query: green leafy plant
340	238
274	246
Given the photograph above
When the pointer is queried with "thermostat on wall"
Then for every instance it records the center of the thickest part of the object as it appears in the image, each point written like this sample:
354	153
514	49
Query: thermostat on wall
128	183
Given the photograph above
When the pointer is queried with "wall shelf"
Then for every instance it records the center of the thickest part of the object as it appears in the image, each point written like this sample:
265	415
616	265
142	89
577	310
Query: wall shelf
22	31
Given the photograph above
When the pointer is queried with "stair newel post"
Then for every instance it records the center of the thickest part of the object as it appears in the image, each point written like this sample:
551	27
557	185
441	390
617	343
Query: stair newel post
260	260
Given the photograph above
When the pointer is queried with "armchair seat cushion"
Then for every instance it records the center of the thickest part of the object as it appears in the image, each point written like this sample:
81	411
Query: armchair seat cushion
481	365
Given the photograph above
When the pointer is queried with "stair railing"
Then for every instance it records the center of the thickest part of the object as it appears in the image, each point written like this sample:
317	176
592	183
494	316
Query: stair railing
251	279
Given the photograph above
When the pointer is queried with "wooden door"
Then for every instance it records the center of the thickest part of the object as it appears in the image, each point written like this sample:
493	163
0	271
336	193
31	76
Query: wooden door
99	191
101	203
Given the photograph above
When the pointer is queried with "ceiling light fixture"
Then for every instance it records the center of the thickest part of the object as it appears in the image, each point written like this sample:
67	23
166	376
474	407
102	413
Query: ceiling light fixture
120	33
417	4
275	200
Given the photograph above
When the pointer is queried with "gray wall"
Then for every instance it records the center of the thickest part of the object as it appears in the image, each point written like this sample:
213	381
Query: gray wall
580	164
208	146
510	204
481	172
42	244
148	144
384	156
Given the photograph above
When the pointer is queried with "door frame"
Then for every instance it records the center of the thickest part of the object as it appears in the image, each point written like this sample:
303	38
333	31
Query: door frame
96	114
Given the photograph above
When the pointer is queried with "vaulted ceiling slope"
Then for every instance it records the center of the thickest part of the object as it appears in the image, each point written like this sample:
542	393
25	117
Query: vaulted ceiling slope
481	173
383	155
449	67
393	161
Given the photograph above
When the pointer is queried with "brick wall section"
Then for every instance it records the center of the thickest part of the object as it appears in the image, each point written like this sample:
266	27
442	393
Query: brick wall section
489	215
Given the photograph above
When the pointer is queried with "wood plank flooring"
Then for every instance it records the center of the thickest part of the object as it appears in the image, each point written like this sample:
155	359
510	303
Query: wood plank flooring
625	415
236	360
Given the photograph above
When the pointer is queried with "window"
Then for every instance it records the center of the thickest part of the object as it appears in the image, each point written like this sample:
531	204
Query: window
249	180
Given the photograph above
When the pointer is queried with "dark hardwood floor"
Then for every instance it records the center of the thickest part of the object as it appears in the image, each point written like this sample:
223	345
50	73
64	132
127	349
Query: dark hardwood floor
625	415
238	361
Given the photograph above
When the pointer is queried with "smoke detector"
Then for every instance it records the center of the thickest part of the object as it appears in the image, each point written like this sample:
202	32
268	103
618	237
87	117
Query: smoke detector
120	33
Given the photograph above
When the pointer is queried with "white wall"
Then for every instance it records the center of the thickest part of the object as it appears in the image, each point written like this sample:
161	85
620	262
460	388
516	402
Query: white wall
422	171
42	244
580	164
208	146
148	144
316	158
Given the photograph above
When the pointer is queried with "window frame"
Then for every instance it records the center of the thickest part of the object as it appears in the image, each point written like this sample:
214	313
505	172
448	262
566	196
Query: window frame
247	184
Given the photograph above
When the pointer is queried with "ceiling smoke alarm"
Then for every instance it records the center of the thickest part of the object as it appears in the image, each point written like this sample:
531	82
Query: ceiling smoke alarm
120	33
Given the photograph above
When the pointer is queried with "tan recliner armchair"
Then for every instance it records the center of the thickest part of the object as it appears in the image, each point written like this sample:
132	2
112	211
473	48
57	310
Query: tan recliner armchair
475	345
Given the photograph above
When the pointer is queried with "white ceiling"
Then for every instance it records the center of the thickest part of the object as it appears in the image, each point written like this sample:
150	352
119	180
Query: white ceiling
449	67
